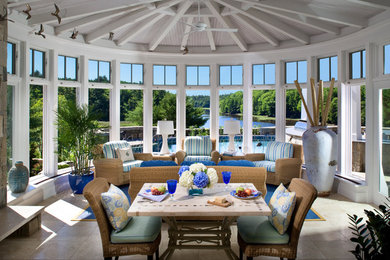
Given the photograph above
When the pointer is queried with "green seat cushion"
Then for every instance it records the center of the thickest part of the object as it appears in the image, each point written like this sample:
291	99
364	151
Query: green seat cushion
138	230
258	230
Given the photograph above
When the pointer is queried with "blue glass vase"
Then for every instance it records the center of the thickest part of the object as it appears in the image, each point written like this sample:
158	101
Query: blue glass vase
18	177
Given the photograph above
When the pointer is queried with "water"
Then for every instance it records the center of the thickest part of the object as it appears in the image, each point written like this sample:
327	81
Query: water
256	123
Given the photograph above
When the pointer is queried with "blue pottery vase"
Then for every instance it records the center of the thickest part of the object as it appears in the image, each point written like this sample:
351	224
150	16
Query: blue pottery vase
195	191
18	177
78	182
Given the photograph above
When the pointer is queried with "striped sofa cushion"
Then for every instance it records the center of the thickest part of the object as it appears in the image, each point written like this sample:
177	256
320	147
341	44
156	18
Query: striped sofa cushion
131	164
268	165
198	158
198	145
109	148
278	150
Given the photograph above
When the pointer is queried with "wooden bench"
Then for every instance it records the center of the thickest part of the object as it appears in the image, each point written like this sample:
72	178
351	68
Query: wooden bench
19	220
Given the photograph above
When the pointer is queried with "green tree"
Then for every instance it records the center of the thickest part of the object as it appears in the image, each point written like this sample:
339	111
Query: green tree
231	103
36	115
194	114
99	103
293	104
386	107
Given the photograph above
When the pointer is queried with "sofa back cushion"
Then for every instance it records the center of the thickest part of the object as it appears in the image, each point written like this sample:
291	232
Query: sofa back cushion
198	145
278	150
109	148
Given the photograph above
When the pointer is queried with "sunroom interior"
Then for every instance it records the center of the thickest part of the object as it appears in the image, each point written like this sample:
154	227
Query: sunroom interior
135	63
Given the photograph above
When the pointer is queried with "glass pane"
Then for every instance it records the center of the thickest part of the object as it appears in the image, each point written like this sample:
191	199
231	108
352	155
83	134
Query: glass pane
71	68
99	103
93	70
333	68
138	74
10	101
10	58
192	75
131	116
170	75
225	75
31	62
258	74
197	112
263	118
164	108
387	59
356	65
61	67
269	74
359	136
125	71
38	64
237	75
364	63
291	72
36	129
158	75
293	110
324	69
230	108
104	71
302	71
385	176
204	75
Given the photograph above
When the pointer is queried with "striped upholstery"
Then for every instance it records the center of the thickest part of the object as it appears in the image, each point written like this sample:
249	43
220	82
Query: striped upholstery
278	150
268	165
198	158
131	164
109	148
198	145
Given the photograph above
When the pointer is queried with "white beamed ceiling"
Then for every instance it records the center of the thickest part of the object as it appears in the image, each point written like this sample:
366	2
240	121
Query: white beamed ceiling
259	22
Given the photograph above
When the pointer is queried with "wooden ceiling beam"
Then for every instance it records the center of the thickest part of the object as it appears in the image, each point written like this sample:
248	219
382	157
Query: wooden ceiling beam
373	3
187	30
210	36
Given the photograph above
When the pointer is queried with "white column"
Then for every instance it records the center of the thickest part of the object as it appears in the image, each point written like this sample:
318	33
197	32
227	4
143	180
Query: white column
50	105
115	102
82	92
280	101
356	118
180	108
214	105
22	108
247	109
311	73
148	110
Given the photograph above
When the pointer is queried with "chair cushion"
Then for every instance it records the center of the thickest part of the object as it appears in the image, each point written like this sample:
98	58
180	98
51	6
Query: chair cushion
138	230
156	163
258	230
198	158
125	154
278	150
116	204
268	165
240	163
198	145
109	148
130	164
188	163
282	205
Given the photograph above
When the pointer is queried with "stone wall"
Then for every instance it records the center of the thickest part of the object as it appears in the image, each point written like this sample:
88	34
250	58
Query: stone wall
3	107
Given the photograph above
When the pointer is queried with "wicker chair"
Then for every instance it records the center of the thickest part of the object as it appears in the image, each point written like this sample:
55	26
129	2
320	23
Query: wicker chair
192	142
305	196
92	192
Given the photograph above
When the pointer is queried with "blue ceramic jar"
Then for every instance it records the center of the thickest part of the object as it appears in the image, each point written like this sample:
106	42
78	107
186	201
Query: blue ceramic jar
18	177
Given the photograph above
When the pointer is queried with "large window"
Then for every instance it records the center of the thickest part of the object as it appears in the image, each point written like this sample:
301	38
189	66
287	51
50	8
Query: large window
263	74
36	129
296	70
230	75
11	58
385	184
197	112
164	75
327	68
294	110
357	64
386	59
198	75
99	71
67	68
37	63
10	94
99	103
132	73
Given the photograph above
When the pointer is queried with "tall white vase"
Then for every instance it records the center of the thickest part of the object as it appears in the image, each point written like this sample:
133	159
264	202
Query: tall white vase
320	151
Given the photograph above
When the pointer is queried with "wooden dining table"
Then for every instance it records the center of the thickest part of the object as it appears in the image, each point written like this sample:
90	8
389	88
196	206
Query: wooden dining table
209	227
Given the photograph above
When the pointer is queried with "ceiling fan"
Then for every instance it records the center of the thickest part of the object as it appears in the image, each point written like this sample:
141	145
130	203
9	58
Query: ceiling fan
201	27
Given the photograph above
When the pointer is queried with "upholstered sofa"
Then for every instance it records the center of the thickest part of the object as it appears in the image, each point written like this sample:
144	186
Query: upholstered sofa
198	149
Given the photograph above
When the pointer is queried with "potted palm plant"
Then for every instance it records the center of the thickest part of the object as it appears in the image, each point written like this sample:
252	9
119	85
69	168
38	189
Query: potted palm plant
77	134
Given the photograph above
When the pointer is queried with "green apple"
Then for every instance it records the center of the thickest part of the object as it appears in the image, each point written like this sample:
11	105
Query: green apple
161	189
239	188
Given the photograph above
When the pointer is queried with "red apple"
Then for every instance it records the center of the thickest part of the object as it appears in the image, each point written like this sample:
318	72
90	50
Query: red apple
248	191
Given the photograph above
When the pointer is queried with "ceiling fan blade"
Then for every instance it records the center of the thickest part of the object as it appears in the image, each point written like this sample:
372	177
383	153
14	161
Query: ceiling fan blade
221	29
187	24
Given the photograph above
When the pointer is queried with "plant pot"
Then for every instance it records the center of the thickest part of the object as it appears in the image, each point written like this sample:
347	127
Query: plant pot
320	151
78	182
18	177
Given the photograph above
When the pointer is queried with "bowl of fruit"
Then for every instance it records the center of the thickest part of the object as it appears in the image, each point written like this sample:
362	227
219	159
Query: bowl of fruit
245	193
158	190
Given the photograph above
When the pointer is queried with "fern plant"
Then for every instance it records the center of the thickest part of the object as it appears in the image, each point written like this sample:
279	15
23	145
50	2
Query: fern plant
373	236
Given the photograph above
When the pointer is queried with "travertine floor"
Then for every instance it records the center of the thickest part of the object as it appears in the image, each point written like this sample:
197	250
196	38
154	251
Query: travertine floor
61	238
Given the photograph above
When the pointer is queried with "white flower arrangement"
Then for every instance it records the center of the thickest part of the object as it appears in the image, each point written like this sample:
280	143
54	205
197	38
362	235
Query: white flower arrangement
198	175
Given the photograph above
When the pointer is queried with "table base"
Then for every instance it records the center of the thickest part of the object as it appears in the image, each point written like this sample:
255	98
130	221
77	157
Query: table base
205	235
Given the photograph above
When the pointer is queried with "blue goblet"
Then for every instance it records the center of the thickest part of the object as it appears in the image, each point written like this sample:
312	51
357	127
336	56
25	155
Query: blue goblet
226	178
171	187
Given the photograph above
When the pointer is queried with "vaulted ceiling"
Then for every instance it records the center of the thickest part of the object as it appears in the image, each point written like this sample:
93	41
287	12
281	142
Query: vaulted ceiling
156	24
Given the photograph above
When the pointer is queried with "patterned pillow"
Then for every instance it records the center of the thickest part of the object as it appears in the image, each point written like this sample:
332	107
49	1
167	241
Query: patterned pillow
116	204
282	205
125	154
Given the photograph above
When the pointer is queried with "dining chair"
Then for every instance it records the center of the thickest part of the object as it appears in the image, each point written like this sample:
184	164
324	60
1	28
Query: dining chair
92	192
306	193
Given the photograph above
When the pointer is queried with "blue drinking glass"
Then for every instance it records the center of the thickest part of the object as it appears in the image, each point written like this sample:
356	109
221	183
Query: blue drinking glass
171	187
226	178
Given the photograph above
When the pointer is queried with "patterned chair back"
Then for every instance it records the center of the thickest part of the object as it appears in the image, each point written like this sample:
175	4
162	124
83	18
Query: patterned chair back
278	150
198	145
109	148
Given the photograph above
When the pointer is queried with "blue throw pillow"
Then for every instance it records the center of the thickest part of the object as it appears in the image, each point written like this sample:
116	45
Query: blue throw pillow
207	163
240	163
157	163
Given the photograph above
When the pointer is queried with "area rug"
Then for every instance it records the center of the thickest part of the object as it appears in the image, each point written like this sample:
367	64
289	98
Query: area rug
87	214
